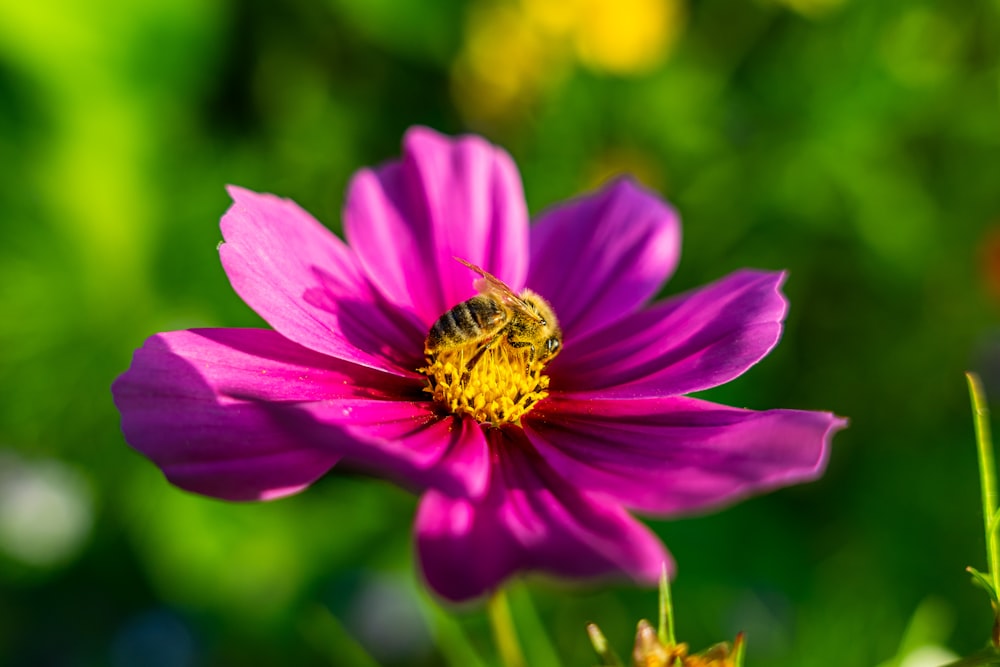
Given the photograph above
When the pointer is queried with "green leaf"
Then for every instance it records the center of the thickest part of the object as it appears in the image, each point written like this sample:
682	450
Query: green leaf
535	640
665	631
327	635
450	637
984	582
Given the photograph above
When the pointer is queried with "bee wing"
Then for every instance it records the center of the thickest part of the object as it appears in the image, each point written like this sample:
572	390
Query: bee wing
490	284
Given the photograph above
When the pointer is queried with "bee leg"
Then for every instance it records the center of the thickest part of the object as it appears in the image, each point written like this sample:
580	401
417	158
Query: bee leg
474	359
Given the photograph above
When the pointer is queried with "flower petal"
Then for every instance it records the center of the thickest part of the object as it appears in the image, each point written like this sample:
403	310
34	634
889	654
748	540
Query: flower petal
529	519
601	256
408	441
447	198
690	342
307	284
213	409
679	455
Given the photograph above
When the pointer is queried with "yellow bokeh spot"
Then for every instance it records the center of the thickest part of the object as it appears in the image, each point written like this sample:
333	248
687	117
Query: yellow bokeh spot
505	64
626	36
555	17
515	50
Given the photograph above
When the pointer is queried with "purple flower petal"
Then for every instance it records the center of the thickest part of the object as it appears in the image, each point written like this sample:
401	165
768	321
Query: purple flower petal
410	442
530	519
599	257
447	198
213	409
679	455
307	284
690	342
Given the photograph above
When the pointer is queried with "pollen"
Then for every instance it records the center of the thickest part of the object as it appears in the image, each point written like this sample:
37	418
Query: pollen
499	386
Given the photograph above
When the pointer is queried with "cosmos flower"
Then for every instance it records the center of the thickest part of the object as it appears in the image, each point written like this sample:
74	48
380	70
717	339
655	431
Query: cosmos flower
522	464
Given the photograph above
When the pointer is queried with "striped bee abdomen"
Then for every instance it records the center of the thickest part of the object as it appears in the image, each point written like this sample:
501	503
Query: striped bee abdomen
476	319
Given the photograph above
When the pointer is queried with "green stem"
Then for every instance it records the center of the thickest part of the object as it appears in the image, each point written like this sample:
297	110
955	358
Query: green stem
987	475
996	523
504	634
665	629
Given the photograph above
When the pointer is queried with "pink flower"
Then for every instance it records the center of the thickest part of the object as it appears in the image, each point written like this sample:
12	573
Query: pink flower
250	414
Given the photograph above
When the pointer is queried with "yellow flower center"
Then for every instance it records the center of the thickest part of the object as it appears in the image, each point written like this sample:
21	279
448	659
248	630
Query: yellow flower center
499	387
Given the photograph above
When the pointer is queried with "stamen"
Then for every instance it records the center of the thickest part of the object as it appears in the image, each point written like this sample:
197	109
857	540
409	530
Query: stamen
502	385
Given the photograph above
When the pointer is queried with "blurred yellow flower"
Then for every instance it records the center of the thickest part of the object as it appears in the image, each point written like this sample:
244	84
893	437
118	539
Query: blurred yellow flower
515	50
627	36
505	63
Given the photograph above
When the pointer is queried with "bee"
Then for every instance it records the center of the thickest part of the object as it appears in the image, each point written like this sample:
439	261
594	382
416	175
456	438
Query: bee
497	314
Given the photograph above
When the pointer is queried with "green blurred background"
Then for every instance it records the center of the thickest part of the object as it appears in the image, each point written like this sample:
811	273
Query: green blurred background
854	142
